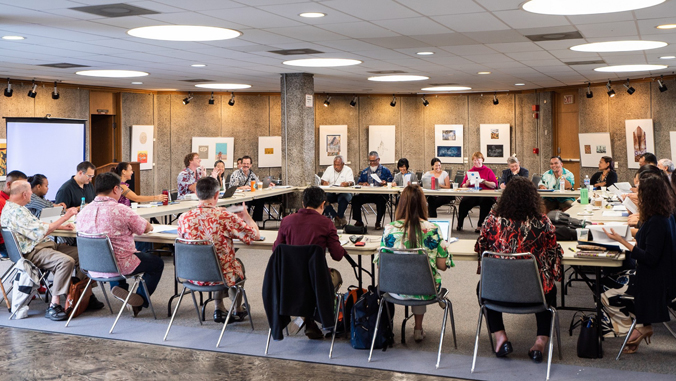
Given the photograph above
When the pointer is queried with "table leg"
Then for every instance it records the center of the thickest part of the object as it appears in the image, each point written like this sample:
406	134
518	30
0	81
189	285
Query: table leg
599	305
359	279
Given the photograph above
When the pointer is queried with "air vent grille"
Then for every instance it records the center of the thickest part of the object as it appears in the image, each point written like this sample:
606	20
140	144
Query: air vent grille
115	10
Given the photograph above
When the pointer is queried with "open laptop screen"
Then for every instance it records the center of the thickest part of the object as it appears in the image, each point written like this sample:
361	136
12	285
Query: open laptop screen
444	227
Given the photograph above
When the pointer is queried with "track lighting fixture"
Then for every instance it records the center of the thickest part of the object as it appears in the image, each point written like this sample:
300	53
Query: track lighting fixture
495	99
662	86
33	91
394	101
55	93
590	94
8	90
231	102
327	102
353	102
630	89
611	92
212	100
187	99
425	101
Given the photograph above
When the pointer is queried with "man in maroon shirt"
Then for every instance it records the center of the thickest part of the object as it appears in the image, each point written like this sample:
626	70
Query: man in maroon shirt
310	227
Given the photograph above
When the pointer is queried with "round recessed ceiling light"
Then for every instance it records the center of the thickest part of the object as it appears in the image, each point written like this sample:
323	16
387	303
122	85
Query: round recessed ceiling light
585	7
618	46
137	83
629	68
667	57
484	72
666	26
312	15
198	65
398	78
112	73
13	38
224	86
446	88
184	33
322	62
519	84
425	53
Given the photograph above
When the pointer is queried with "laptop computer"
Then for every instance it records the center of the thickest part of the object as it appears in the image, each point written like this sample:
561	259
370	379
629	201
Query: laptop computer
266	182
229	192
444	227
50	215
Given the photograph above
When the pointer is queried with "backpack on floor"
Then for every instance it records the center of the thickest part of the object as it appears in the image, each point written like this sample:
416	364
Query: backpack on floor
363	322
349	299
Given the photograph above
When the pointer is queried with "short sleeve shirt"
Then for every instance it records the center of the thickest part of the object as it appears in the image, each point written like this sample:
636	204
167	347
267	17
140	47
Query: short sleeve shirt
186	178
336	178
239	179
551	182
29	230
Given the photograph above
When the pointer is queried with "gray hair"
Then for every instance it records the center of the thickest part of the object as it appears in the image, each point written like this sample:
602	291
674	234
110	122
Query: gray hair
338	157
668	164
512	160
374	153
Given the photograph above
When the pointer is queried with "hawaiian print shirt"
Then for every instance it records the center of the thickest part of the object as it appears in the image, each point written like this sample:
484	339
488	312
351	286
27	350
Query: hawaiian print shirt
220	227
239	179
536	236
119	222
29	230
433	245
186	178
551	182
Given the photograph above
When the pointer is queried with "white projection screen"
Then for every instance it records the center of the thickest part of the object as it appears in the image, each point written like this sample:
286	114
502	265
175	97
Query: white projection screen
52	147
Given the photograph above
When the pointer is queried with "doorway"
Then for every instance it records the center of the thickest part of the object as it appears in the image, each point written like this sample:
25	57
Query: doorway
103	139
566	128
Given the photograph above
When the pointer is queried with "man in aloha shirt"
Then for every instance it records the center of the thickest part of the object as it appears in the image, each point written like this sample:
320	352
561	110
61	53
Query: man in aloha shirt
193	171
210	222
550	180
242	178
105	215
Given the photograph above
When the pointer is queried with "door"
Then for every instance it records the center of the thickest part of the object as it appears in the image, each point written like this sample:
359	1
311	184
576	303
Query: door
566	128
102	149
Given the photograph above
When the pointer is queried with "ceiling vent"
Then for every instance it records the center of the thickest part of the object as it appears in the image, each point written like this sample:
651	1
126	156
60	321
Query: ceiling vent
196	80
63	65
387	72
115	10
443	84
295	52
591	62
555	36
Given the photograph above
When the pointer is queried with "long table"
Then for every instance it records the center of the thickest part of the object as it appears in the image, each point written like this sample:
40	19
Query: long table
466	192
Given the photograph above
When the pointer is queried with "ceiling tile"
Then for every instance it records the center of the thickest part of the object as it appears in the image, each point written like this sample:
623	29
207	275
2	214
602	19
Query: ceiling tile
359	30
415	25
252	17
307	33
446	39
495	37
500	5
521	19
614	29
468	49
202	5
471	22
399	42
442	7
515	47
372	9
348	45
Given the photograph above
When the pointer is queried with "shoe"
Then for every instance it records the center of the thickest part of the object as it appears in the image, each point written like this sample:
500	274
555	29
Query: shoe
358	223
418	335
378	226
135	300
238	316
94	304
312	331
504	349
56	313
477	230
459	228
219	316
134	310
342	222
645	333
536	356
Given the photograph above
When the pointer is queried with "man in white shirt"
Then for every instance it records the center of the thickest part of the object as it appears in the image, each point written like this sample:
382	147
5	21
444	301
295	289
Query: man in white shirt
338	175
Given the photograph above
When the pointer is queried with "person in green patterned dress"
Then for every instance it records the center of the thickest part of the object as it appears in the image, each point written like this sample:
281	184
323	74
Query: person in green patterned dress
412	230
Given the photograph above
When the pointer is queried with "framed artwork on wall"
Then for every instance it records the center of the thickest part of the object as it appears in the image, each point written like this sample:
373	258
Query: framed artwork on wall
212	149
142	142
448	143
269	151
3	159
332	142
640	139
495	142
593	147
382	140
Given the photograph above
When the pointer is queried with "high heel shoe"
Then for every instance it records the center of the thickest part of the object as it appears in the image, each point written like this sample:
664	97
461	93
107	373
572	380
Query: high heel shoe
643	335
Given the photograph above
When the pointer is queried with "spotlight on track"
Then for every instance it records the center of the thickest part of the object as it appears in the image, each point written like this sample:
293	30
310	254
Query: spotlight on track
353	102
425	101
231	102
212	100
495	99
187	99
8	91
327	102
394	101
590	94
630	89
662	86
33	91
611	92
55	93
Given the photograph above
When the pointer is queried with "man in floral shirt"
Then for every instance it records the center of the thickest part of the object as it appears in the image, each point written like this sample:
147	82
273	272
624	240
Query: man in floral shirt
242	179
119	222
210	222
187	179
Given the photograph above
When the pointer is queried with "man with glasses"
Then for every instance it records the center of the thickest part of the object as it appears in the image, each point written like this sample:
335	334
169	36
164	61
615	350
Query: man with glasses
79	186
366	179
242	179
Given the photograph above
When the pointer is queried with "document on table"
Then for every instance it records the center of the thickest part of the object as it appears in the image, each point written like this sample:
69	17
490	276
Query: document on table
620	188
619	208
168	229
613	213
630	205
376	178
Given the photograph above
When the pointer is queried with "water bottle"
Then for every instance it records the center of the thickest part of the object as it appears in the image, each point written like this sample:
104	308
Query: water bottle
476	185
562	184
586	181
82	204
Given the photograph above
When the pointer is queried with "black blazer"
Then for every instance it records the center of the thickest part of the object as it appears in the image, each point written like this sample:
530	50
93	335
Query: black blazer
297	281
655	255
507	175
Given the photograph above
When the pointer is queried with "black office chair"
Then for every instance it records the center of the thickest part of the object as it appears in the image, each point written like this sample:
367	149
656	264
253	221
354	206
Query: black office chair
536	179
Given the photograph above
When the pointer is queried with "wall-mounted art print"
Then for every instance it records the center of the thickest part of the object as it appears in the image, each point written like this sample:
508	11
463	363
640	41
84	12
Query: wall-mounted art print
3	159
213	149
593	147
142	138
221	150
382	140
332	142
495	142
269	151
640	139
448	141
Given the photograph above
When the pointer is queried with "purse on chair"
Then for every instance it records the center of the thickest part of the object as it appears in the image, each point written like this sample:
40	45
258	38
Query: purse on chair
588	341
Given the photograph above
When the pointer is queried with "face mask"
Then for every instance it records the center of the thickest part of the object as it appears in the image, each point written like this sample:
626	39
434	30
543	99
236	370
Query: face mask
374	168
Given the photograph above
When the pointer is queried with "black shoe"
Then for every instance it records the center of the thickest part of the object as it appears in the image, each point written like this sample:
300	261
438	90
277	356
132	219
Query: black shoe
358	223
219	316
459	228
536	356
56	313
504	350
94	304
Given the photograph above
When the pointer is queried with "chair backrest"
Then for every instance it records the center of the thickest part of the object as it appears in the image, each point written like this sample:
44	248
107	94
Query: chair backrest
511	280
459	176
11	245
227	179
197	260
95	253
320	173
419	175
536	179
450	172
405	271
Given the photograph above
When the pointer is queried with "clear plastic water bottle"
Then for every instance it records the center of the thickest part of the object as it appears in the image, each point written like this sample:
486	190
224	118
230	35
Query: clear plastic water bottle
82	204
476	186
562	184
586	181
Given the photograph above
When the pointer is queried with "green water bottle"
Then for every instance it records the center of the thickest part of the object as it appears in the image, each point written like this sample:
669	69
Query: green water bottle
584	196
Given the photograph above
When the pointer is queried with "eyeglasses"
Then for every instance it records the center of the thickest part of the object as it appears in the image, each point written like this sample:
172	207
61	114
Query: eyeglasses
374	161
90	176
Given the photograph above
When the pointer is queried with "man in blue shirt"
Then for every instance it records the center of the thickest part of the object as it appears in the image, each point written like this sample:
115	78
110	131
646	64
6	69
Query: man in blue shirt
365	179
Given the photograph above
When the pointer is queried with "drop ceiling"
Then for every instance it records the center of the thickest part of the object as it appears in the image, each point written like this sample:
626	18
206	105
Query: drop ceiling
467	36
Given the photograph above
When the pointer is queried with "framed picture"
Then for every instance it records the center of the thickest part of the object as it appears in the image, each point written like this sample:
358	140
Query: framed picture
332	142
495	142
382	140
3	159
142	141
212	149
640	139
269	151
448	141
593	147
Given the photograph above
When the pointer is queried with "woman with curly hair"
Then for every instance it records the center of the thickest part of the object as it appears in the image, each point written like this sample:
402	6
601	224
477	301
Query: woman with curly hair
518	225
412	230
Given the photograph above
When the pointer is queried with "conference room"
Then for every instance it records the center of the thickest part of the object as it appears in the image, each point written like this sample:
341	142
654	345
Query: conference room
478	85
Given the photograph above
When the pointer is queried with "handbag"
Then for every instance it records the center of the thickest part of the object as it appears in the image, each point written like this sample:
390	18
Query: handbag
588	341
351	229
76	289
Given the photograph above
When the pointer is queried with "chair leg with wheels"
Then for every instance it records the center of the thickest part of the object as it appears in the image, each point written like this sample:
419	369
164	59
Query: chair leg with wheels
180	298
78	301
375	332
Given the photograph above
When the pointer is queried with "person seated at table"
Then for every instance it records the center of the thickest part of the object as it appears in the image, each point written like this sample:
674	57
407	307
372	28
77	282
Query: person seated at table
239	163
40	187
106	215
514	170
655	255
647	158
518	225
443	182
187	178
550	180
220	166
366	179
212	223
668	167
341	176
309	227
242	179
79	186
404	174
488	181
124	170
4	196
606	175
410	229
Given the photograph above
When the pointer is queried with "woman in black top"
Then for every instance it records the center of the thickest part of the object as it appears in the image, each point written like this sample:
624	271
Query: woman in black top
606	175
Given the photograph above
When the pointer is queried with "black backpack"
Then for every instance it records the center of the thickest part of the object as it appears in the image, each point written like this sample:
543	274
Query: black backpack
363	322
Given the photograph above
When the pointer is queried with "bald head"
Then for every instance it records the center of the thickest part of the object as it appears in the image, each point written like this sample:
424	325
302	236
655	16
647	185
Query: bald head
20	192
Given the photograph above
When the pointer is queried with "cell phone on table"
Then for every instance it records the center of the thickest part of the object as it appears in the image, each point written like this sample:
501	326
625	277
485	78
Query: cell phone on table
360	243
